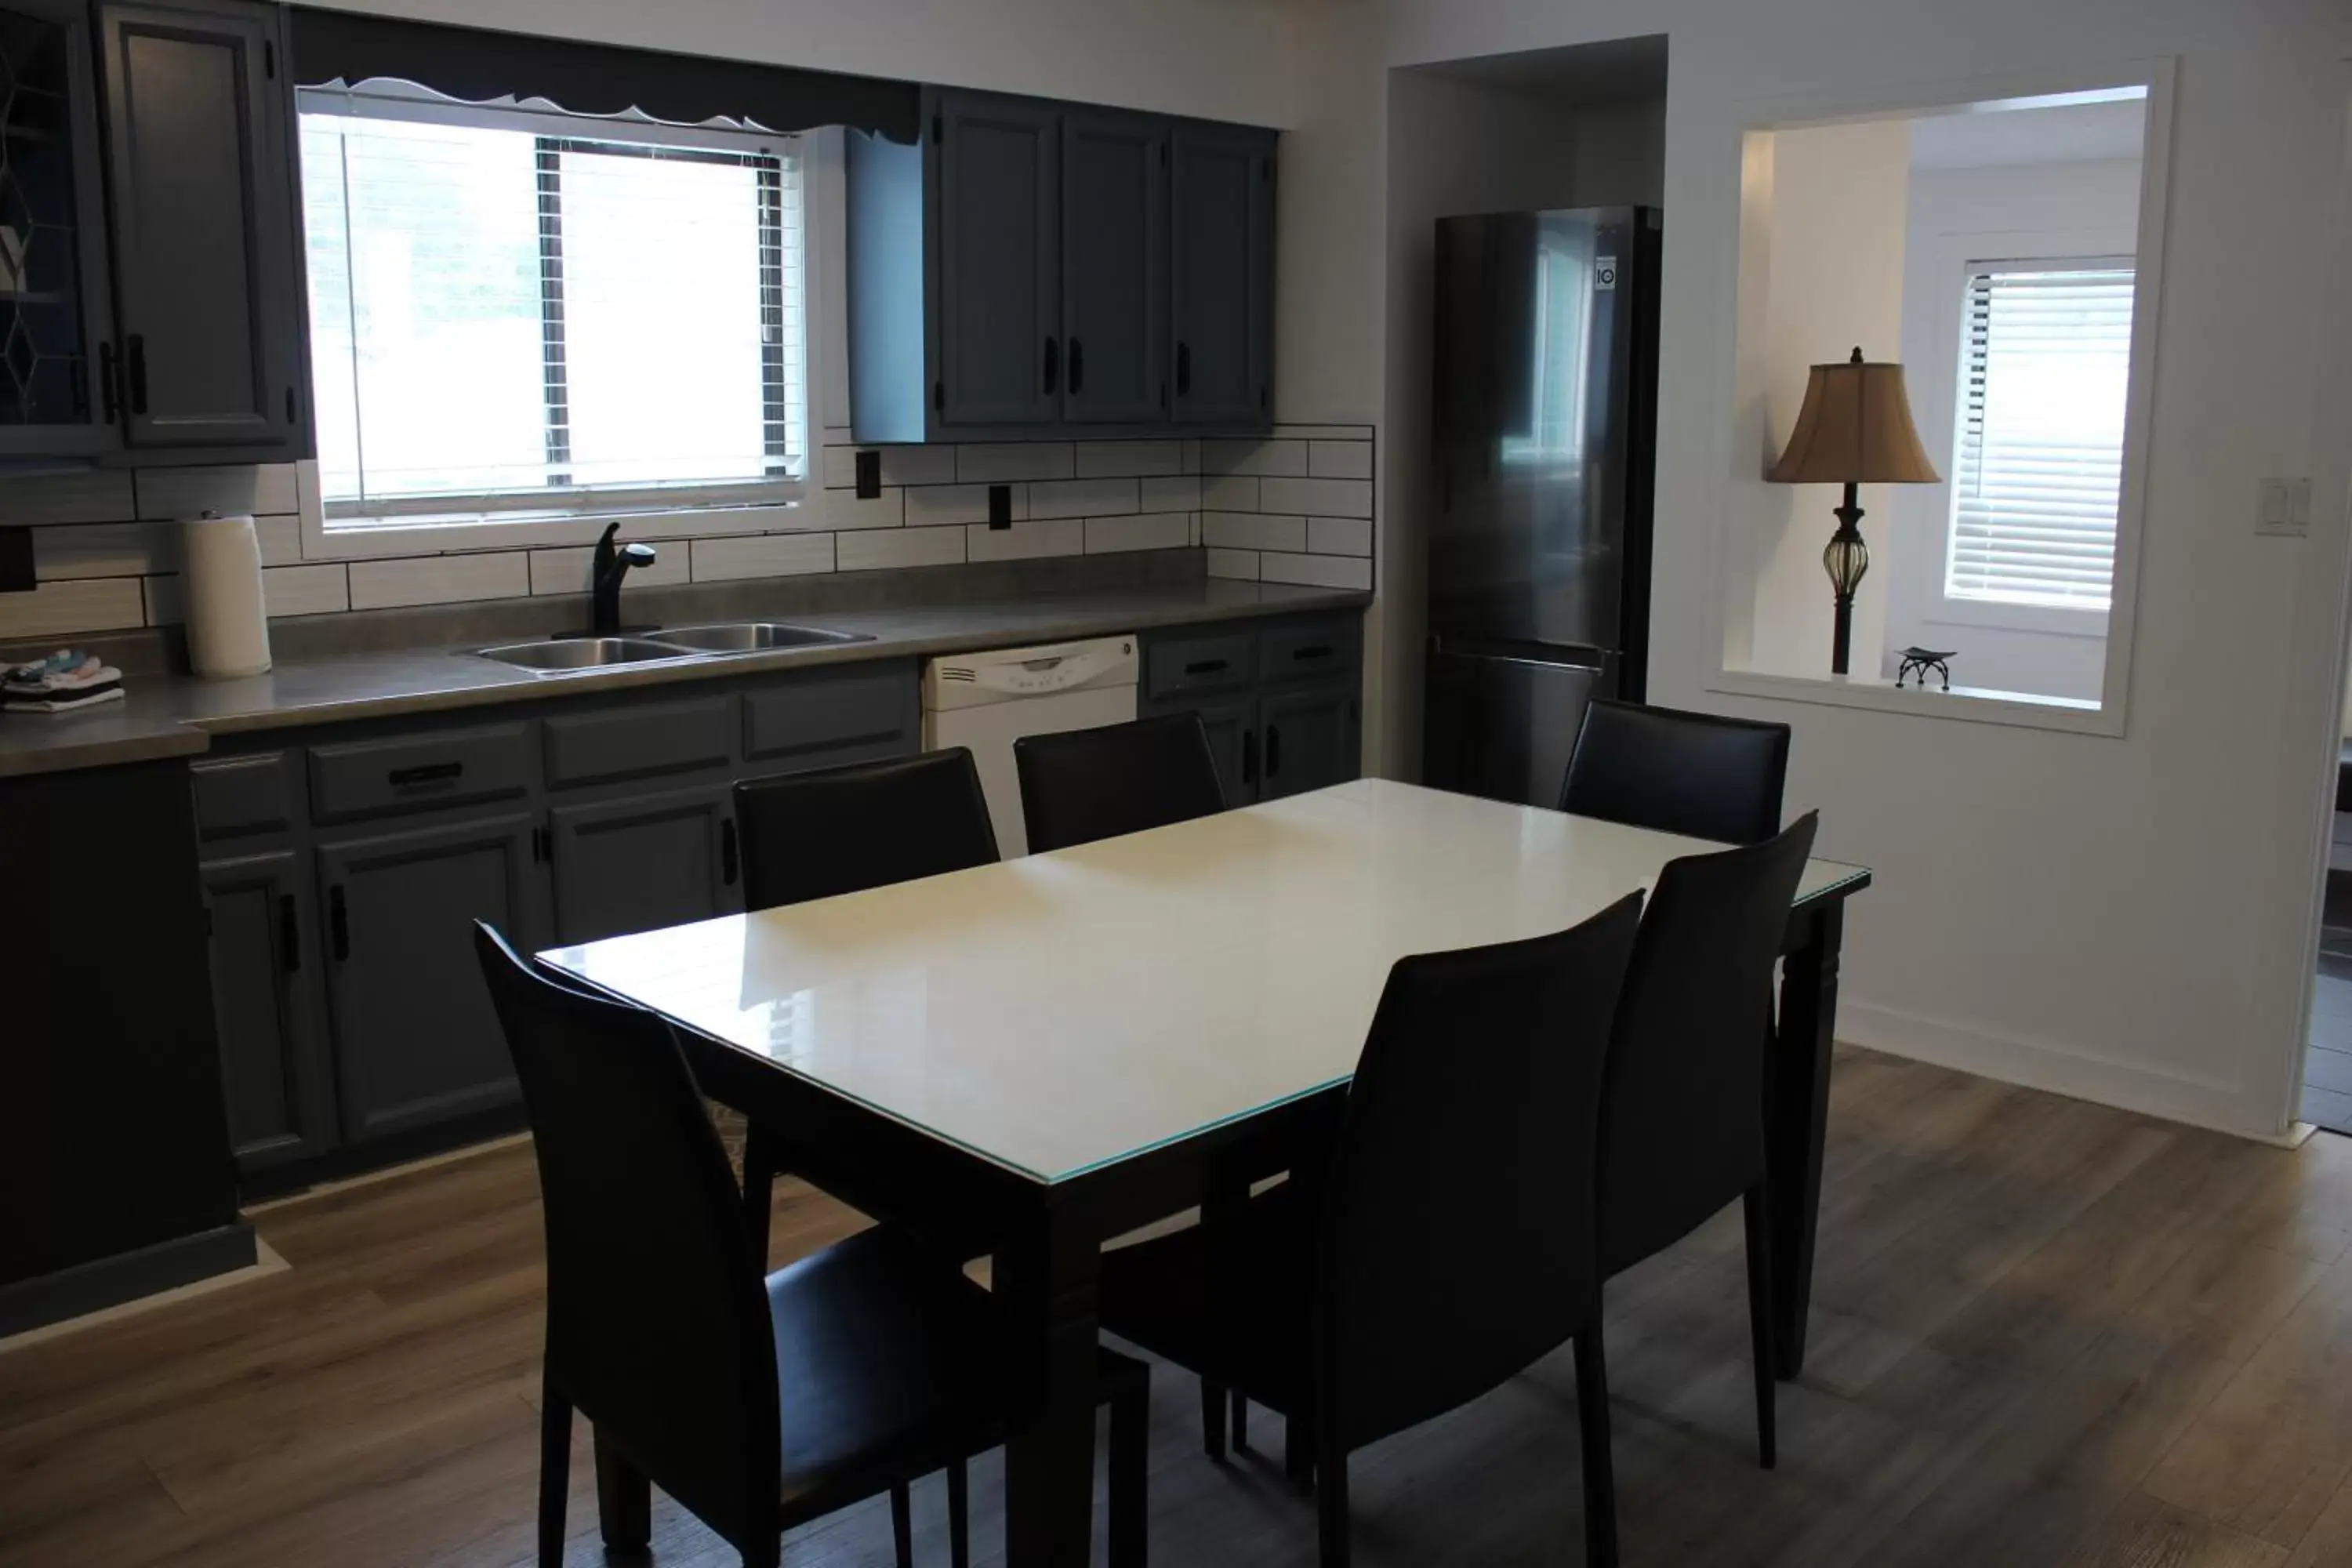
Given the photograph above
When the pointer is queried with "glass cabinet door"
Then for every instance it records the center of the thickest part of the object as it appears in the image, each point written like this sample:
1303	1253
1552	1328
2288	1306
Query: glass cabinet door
53	396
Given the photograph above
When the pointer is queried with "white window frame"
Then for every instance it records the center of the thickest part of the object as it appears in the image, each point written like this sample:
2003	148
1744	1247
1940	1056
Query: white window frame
428	527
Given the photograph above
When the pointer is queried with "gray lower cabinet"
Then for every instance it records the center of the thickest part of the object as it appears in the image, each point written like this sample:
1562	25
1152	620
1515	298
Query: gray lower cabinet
416	1040
269	1009
1233	740
645	861
1278	698
1308	738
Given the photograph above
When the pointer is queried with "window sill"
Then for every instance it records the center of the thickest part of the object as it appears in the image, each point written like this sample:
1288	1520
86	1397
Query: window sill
1974	705
360	539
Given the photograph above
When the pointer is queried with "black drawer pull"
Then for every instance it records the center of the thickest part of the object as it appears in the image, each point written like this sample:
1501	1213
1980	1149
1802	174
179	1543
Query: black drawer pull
727	857
1315	650
339	925
1273	750
424	774
1249	756
289	933
1205	667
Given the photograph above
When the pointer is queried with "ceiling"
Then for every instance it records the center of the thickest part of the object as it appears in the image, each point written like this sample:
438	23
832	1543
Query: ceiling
1990	136
1617	71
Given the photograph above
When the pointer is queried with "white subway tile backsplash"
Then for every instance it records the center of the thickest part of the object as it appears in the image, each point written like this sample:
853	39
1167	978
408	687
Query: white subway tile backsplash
1323	432
900	466
874	550
1248	530
1241	563
321	589
1152	531
168	493
1254	456
1105	459
933	504
1339	460
102	549
1229	492
1082	498
280	536
566	571
1044	536
762	555
1317	571
1330	498
439	579
995	462
1174	492
1339	535
832	510
42	498
87	605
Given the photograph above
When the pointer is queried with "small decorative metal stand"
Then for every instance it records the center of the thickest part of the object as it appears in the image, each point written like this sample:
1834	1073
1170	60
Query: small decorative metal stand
1918	661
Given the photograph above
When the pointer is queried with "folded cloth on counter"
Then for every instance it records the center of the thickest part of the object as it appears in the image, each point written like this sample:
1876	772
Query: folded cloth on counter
67	679
63	702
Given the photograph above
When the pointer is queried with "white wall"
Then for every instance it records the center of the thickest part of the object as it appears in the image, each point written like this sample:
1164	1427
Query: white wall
2123	918
1832	261
1958	215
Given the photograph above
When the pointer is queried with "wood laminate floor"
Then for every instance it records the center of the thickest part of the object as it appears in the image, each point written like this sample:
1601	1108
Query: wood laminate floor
2044	1333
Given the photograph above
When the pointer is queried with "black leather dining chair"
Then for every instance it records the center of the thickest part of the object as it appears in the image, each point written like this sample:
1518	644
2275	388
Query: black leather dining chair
840	830
1699	774
1451	1241
1084	784
1682	1108
757	1403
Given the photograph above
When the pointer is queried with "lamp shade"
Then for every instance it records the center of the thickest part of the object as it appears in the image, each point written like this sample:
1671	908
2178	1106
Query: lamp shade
1855	428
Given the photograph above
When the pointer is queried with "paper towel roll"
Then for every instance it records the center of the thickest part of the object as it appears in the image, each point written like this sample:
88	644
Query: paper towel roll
228	630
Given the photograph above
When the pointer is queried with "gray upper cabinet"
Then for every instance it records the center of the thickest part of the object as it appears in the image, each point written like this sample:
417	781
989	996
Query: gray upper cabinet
997	202
208	278
1114	269
1222	277
644	862
267	1008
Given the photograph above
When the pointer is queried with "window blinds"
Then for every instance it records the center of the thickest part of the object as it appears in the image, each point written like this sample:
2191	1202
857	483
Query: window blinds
2044	363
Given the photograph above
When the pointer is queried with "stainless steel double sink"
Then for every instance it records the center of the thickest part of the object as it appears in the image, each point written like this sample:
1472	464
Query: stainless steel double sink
555	655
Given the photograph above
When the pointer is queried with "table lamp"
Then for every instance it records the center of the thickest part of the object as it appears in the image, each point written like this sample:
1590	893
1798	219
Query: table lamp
1855	429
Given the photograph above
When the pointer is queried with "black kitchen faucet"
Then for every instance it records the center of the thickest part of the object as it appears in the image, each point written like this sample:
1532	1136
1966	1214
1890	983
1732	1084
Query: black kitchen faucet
611	564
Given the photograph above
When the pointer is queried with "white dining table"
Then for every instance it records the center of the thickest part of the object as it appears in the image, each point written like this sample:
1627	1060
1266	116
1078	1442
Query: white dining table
1032	1056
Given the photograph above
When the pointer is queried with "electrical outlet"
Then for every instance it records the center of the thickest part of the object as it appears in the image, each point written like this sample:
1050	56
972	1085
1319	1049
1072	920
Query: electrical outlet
2282	508
869	476
1000	507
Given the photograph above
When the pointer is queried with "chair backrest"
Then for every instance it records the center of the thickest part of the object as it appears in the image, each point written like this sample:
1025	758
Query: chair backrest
1084	785
1681	1113
836	830
1699	774
657	1316
1459	1223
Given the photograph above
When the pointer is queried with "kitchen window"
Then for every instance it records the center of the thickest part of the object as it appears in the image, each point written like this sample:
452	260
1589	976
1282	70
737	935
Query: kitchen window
520	316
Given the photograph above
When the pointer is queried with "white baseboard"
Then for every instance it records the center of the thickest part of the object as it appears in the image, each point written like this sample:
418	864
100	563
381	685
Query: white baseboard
2127	1085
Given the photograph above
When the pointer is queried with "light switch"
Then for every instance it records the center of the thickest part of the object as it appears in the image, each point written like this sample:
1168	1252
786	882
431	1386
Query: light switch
2276	511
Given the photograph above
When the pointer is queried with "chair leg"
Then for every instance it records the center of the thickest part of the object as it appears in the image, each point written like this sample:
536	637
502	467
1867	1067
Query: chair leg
1130	1439
1331	1503
960	1515
1241	1419
1298	1450
554	1473
625	1501
1213	1420
1759	1207
1600	1473
760	1165
902	1524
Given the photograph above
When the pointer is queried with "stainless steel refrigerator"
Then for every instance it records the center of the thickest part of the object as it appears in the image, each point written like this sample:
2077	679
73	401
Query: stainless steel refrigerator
1544	418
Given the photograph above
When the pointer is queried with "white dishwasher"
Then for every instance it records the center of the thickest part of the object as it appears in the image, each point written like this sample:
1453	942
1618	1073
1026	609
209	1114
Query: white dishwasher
988	701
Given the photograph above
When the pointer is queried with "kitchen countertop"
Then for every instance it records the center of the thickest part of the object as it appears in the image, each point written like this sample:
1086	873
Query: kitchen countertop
177	715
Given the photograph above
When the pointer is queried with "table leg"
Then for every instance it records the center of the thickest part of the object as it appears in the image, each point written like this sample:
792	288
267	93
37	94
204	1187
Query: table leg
1047	1283
1798	1122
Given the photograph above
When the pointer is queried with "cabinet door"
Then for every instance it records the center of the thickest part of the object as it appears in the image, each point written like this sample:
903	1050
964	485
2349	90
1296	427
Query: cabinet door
649	860
55	324
1308	738
1233	740
1114	269
1221	280
267	1008
198	171
415	1041
997	279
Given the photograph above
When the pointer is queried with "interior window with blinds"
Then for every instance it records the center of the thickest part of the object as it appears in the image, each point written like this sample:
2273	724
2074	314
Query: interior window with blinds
549	314
2045	359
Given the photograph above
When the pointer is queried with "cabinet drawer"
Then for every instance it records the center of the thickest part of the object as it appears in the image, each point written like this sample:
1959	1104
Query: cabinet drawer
859	709
420	773
1217	662
239	797
637	743
1307	649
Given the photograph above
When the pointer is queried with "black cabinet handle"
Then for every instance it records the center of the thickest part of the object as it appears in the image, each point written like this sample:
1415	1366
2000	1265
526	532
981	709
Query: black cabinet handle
134	360
1204	666
728	859
542	845
1273	750
1313	650
1183	369
1052	364
289	933
339	924
1249	756
109	396
424	774
1077	366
